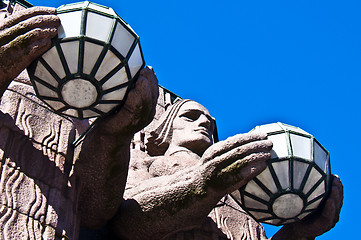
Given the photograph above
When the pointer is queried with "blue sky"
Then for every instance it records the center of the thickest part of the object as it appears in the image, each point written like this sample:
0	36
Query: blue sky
257	62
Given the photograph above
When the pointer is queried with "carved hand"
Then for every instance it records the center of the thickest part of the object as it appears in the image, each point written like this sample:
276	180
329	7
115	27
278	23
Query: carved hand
230	164
159	206
104	157
318	223
138	110
24	36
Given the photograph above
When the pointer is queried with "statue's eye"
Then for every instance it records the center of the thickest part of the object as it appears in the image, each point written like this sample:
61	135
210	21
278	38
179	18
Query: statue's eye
190	116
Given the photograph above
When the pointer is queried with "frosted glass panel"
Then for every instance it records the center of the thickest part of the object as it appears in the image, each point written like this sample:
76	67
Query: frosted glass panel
44	75
70	6
117	79
45	91
318	191
301	146
254	189
320	157
282	172
105	107
98	26
237	195
135	62
115	95
89	114
299	171
251	203
71	53
327	171
273	221
71	112
122	40
102	9
260	215
266	178
288	221
70	24
109	62
55	104
296	129
268	128
303	215
91	54
279	149
288	206
312	180
51	57
314	205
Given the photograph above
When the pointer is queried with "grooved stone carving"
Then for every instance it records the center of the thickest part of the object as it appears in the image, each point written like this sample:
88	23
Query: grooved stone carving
36	165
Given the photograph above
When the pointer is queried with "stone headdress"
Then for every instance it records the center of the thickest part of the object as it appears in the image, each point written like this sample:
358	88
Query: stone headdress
160	137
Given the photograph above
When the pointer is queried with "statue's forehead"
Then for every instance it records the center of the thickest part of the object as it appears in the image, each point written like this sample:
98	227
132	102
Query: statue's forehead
193	106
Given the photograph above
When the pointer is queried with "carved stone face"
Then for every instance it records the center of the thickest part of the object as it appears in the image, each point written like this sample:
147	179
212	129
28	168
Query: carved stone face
193	127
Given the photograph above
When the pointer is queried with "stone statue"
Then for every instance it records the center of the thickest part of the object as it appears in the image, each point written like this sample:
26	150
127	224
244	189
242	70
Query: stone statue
48	188
172	188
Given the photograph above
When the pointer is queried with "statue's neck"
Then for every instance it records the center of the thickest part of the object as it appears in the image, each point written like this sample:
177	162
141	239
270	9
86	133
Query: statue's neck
179	151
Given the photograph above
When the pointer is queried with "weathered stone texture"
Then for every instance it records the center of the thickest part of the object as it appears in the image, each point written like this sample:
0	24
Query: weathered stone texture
38	194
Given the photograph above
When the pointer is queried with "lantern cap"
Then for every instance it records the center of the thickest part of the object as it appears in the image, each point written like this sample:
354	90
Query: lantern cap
273	128
104	10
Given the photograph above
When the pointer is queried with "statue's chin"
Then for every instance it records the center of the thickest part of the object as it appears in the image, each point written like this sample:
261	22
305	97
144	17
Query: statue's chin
199	145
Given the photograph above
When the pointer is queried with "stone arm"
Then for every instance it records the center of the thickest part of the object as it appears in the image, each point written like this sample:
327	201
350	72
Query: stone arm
102	159
161	206
318	223
24	36
104	155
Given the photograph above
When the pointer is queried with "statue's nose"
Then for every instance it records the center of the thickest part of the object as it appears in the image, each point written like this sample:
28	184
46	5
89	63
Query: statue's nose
204	121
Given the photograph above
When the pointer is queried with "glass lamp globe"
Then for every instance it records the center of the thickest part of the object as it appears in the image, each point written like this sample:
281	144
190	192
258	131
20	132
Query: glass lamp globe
91	64
295	182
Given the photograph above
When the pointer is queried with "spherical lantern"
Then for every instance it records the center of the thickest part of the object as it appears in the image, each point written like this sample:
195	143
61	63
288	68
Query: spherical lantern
295	181
91	64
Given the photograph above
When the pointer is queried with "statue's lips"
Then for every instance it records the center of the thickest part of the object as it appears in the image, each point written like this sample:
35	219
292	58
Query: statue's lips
202	130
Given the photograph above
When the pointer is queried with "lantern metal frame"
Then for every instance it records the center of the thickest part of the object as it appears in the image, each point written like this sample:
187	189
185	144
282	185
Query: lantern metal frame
82	39
267	214
23	3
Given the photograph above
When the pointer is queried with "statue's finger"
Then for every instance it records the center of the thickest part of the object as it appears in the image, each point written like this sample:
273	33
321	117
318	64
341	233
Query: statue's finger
240	172
232	143
337	191
42	22
334	202
30	43
20	16
152	80
19	53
